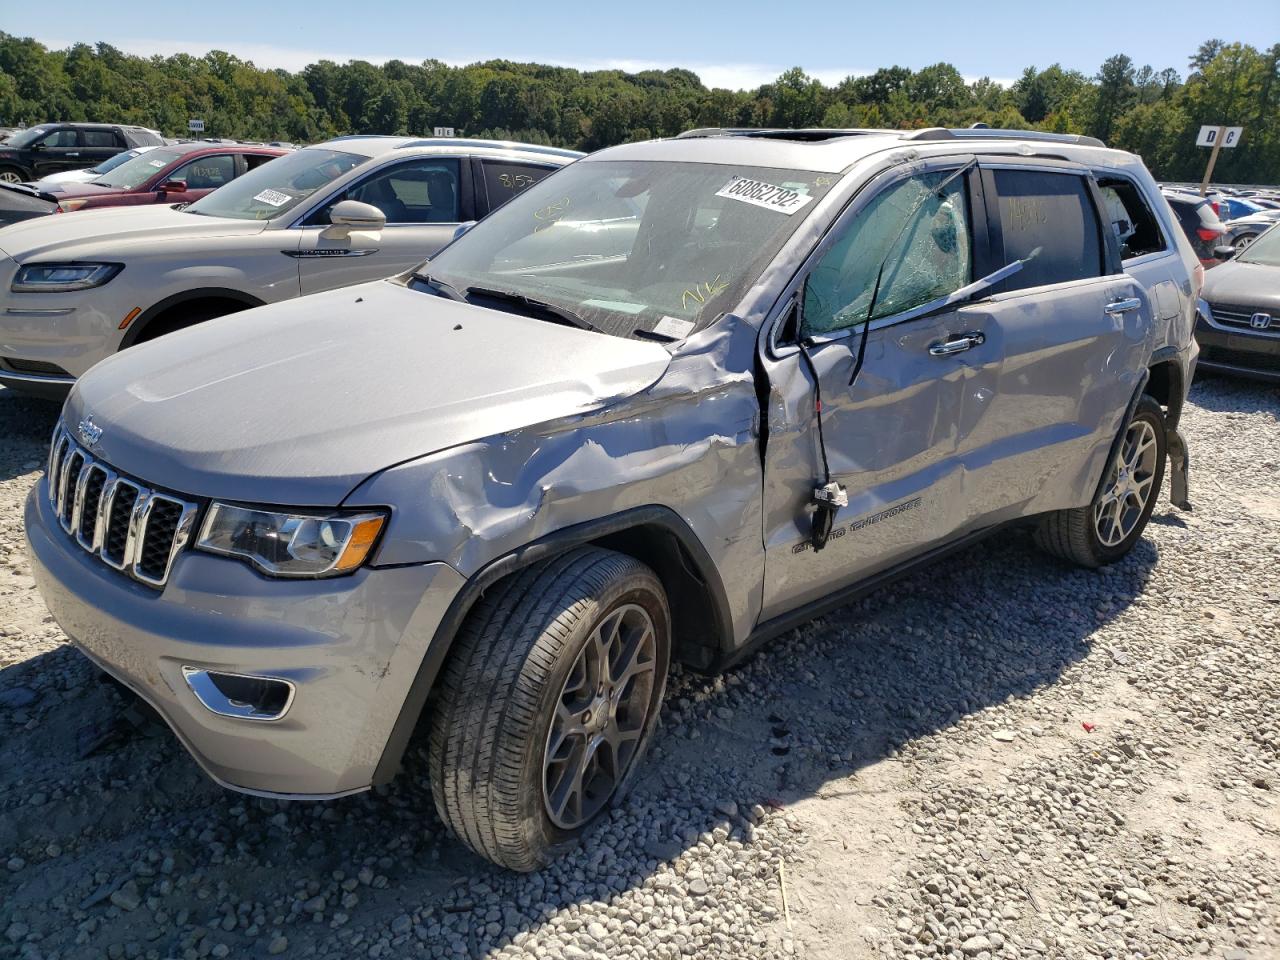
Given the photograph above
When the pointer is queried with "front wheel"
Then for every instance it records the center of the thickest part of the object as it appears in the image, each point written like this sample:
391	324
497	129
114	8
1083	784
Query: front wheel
1107	529
10	175
547	703
1244	241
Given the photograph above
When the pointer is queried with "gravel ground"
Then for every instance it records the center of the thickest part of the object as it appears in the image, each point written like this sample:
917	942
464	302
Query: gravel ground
999	757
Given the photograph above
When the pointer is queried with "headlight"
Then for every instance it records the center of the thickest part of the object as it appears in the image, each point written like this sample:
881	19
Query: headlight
63	277
291	544
66	206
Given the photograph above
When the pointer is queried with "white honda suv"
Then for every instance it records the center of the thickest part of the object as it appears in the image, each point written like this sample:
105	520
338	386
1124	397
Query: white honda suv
76	289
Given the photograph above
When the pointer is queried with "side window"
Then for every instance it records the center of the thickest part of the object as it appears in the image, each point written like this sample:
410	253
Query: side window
503	180
1131	219
207	173
252	161
60	138
417	191
1049	218
98	138
920	233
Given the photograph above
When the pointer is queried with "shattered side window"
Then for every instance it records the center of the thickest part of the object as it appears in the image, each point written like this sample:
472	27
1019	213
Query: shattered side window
919	233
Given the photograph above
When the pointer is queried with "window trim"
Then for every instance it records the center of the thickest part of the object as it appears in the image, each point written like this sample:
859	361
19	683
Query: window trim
463	191
791	298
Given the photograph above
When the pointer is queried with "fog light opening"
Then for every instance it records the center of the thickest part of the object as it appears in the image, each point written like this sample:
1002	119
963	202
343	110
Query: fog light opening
240	696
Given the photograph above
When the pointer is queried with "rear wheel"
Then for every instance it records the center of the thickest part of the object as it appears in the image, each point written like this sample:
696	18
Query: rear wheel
547	704
1107	529
1243	241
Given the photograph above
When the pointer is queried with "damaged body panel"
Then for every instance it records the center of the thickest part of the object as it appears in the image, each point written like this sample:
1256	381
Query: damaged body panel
661	405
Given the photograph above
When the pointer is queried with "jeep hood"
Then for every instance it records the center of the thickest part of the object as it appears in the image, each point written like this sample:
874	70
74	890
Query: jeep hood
298	402
102	233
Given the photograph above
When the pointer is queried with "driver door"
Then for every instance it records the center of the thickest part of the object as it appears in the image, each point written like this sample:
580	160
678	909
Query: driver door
891	438
56	151
423	200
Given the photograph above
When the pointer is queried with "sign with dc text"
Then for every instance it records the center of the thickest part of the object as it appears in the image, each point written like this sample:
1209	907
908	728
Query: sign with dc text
1219	136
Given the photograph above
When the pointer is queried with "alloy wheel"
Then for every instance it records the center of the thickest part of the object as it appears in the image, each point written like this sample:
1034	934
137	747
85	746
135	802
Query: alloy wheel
1129	487
10	176
600	716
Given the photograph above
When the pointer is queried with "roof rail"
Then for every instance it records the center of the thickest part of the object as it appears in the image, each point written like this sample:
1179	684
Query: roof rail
492	144
988	133
810	134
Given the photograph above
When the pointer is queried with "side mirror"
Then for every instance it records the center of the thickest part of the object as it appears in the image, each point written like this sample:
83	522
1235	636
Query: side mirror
351	215
1224	253
37	146
462	228
172	186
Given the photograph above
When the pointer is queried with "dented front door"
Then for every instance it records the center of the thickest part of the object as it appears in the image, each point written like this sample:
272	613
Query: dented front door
892	436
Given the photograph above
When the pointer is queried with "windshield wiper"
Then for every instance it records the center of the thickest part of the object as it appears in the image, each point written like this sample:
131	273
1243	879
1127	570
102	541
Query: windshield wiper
448	289
548	310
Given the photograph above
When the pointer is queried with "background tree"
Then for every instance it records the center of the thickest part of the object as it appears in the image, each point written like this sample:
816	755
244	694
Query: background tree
1145	109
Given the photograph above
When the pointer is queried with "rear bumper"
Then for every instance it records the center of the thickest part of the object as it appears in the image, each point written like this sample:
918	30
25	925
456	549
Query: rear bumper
350	647
1234	350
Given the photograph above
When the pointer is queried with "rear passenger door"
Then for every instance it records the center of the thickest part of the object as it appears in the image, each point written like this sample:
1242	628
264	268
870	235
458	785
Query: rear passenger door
99	145
1069	335
424	199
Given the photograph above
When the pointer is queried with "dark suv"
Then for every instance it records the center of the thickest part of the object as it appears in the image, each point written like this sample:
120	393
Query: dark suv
51	147
1200	223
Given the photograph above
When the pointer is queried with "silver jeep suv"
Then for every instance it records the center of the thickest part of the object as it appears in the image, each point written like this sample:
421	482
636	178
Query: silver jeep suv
667	403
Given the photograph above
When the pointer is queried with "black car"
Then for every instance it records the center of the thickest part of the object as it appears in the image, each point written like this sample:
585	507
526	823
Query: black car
46	148
1241	334
1201	225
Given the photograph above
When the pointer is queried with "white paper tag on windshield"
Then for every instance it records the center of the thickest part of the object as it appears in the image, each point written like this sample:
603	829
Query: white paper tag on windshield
764	195
157	163
273	197
673	327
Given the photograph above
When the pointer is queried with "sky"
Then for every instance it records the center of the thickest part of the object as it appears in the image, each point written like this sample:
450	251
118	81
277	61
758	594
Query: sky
737	45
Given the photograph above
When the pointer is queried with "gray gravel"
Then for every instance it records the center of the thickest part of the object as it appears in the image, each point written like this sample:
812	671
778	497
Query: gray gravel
1000	757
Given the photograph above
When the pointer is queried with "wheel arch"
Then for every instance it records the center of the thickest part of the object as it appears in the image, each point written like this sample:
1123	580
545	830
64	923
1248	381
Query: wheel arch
655	535
1166	383
186	298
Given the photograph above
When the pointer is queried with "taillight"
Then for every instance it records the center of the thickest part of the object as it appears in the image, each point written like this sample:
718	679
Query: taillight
1216	208
1209	234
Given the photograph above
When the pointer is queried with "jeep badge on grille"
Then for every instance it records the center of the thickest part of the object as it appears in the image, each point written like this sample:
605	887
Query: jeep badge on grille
90	432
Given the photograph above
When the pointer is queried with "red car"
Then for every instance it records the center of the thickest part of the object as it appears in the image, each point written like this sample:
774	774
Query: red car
178	174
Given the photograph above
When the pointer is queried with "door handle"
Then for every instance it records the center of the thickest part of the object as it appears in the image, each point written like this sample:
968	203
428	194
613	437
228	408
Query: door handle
965	341
73	154
1124	306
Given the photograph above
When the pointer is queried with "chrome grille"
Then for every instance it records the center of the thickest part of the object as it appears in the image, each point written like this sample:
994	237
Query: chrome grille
1242	317
128	526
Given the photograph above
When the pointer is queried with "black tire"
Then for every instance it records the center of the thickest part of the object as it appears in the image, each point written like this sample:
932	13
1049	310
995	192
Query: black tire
1072	535
11	174
503	685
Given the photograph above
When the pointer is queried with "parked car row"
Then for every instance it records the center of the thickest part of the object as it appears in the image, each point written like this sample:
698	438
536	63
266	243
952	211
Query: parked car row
80	288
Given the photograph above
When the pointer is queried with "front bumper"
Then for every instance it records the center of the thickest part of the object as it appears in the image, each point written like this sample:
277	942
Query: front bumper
351	647
1236	350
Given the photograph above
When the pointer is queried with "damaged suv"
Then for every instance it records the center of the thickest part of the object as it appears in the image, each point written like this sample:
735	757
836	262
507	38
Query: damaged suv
667	403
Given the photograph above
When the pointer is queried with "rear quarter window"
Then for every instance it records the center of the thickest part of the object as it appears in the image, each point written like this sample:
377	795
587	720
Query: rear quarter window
1049	218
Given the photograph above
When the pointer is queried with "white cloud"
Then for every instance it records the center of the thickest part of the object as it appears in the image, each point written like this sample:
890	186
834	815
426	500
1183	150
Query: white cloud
733	76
